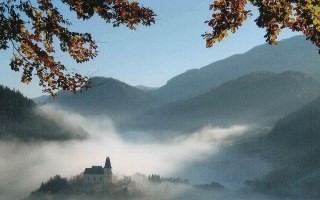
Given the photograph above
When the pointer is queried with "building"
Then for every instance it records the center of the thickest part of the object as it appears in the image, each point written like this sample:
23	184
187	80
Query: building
99	174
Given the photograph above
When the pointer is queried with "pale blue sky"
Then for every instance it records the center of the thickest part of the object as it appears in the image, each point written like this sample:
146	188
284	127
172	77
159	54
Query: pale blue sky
150	55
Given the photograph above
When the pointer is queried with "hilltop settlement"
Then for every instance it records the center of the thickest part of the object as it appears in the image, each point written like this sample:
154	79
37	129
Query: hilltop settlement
100	182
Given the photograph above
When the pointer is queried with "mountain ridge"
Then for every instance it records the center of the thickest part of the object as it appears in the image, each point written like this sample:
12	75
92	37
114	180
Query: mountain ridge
289	54
107	96
260	95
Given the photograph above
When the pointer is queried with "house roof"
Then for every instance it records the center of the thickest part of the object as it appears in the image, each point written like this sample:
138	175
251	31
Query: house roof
94	170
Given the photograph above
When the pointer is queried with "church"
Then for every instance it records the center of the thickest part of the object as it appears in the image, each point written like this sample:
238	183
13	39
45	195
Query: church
99	174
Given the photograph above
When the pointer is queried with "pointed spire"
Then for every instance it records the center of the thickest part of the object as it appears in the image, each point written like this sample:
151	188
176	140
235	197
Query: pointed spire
107	163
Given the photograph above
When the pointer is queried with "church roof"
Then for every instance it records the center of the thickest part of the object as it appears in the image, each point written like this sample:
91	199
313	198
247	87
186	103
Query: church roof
94	170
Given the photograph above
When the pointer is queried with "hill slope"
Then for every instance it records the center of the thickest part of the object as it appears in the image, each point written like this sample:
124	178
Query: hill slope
107	96
257	97
19	120
291	54
293	146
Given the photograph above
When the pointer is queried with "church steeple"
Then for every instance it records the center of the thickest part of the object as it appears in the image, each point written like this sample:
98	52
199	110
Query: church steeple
107	163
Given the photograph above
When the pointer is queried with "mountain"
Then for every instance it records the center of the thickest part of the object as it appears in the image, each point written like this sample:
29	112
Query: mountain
19	120
293	146
291	54
146	88
107	96
41	99
260	97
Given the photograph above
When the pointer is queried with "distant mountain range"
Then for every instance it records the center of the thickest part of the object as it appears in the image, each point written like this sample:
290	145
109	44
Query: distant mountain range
262	85
20	121
107	96
295	54
145	88
259	97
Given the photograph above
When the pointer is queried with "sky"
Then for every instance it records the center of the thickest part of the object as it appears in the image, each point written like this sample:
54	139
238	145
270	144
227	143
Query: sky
149	56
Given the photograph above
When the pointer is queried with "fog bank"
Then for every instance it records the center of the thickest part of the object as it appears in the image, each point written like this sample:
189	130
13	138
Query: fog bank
23	166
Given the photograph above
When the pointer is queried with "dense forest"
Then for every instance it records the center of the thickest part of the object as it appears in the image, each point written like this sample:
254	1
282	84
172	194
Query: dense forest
20	120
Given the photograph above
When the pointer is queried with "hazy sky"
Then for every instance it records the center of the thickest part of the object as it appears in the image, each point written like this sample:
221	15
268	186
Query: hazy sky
150	55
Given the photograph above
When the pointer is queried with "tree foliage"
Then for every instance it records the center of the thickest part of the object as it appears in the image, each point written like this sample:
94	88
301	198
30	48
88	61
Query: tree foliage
13	105
54	185
274	15
30	27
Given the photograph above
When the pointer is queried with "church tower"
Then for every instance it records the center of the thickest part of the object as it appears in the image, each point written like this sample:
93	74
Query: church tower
107	171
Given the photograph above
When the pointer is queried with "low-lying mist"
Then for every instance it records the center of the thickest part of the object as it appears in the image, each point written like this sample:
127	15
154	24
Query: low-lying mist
23	166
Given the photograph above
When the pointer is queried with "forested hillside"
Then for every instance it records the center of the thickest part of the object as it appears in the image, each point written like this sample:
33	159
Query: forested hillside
107	96
19	120
256	98
293	146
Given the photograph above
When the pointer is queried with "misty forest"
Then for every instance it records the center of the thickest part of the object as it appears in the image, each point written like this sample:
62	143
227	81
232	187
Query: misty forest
245	126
